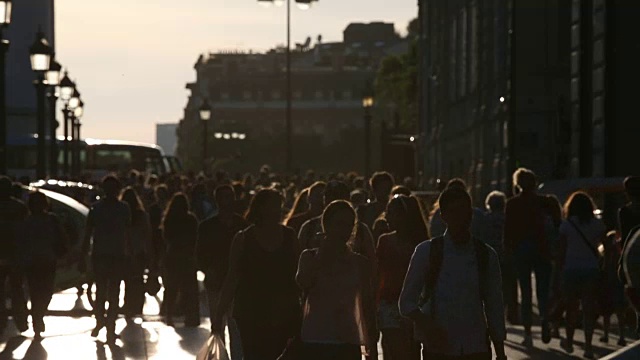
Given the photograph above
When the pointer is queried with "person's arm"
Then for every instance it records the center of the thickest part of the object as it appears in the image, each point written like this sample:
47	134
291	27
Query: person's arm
369	307
308	268
369	250
494	305
230	282
409	302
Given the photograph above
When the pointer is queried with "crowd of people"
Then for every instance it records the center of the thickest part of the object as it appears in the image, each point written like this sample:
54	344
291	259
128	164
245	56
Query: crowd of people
325	268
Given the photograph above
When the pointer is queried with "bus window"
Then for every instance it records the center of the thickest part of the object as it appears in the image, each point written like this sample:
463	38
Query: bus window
110	160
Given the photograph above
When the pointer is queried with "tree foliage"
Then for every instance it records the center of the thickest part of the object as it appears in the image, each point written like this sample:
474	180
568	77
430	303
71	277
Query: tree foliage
397	85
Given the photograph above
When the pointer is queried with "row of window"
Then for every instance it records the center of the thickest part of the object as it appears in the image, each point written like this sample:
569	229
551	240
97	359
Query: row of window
275	95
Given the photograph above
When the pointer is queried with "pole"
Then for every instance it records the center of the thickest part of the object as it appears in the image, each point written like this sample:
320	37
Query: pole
367	142
204	146
66	114
4	46
41	168
289	140
53	150
78	166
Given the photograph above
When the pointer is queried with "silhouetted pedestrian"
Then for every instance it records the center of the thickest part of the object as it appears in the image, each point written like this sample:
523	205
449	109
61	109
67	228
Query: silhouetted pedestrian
580	235
526	243
453	289
215	236
394	251
140	252
12	213
629	214
42	242
339	315
180	233
261	281
381	186
109	225
314	208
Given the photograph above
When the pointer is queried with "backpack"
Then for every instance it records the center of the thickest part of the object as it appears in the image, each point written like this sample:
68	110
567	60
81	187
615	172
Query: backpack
436	257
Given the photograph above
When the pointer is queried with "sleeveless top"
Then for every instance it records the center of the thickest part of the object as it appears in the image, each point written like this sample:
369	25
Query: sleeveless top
267	292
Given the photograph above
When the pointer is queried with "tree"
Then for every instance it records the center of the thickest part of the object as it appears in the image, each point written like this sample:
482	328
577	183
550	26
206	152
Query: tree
397	85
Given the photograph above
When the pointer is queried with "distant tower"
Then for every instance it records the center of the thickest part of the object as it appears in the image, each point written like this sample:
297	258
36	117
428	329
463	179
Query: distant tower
28	16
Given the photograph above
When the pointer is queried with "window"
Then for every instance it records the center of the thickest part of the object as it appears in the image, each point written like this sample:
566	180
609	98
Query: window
111	160
276	95
224	95
297	94
247	95
453	48
462	53
319	95
473	39
347	95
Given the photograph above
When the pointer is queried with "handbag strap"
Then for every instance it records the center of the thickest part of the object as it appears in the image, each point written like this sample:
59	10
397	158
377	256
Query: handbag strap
595	251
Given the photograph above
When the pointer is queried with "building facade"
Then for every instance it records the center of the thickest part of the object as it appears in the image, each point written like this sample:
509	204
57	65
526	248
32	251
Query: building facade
167	138
497	82
247	94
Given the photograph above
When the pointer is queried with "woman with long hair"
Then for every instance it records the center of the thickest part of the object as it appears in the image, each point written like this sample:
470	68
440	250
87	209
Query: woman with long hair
140	248
300	205
339	311
180	232
581	233
405	219
261	281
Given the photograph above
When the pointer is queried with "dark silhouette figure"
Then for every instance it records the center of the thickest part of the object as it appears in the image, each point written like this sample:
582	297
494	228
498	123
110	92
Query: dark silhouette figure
12	213
215	236
339	314
527	246
109	224
140	247
453	289
629	215
42	241
261	281
394	251
580	236
381	185
180	232
156	213
315	205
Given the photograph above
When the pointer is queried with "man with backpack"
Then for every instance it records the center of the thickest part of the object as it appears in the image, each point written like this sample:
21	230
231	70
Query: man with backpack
453	289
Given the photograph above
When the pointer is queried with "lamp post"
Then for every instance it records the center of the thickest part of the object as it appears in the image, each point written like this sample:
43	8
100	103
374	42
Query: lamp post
40	54
5	20
67	88
78	112
72	105
205	116
367	104
53	80
303	5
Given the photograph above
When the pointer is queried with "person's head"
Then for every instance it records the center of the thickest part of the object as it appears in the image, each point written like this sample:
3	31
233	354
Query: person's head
339	222
581	206
225	198
265	208
400	190
632	187
162	193
495	202
111	186
358	197
142	179
316	195
456	209
456	183
336	190
37	203
552	207
381	185
178	206
405	216
525	180
153	181
130	196
6	187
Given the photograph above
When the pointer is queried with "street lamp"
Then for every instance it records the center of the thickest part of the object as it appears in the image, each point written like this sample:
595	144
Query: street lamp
78	112
205	116
5	20
41	54
367	104
53	80
302	4
67	89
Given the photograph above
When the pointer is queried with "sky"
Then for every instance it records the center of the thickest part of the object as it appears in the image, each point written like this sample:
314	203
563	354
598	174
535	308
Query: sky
132	59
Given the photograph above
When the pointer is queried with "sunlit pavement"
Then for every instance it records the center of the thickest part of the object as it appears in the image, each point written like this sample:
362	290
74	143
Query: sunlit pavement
69	328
